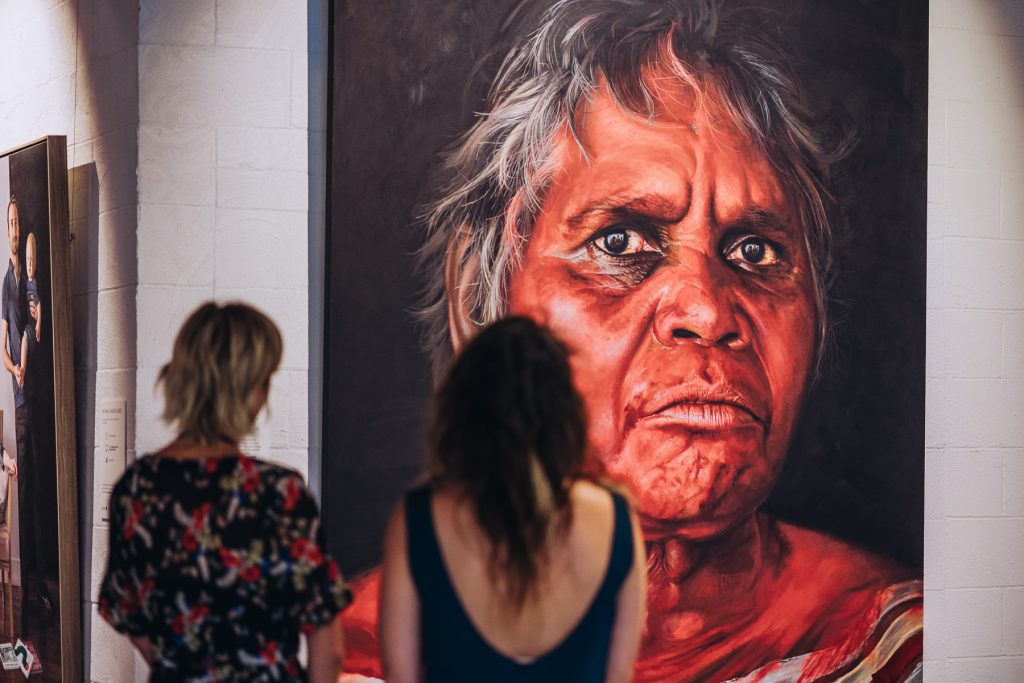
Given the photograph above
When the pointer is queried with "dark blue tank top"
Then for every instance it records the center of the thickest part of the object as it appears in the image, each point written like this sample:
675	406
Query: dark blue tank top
454	651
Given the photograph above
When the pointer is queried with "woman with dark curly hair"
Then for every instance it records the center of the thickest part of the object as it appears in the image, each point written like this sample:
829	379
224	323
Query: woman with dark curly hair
512	563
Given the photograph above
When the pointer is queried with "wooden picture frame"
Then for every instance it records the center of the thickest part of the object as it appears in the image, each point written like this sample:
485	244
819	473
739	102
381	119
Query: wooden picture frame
40	422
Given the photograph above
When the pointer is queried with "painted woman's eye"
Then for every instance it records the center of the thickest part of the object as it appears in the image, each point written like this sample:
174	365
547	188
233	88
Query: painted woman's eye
752	251
622	242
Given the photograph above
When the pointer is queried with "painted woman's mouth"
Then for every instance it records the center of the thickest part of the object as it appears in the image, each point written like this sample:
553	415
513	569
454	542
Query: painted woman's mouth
706	415
701	407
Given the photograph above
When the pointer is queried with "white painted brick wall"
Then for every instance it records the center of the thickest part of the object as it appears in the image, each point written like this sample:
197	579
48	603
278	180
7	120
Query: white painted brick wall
974	529
223	188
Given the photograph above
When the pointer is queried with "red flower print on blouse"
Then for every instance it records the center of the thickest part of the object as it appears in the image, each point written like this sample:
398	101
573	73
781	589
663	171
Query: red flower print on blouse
313	554
193	617
270	653
131	522
131	603
230	558
303	549
251	482
200	515
188	540
292	494
223	534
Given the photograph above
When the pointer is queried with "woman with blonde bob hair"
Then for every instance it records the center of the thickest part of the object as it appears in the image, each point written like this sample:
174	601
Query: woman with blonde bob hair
216	560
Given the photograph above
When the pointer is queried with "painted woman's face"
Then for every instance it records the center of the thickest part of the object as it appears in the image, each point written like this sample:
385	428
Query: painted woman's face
671	262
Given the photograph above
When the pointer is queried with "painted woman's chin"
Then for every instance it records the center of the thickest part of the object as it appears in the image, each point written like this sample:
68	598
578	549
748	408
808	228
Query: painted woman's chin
691	510
699	492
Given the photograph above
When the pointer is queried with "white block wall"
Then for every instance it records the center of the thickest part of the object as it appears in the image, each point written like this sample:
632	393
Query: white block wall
974	529
224	190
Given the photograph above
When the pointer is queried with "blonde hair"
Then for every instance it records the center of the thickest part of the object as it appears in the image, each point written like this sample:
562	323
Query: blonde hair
30	243
221	355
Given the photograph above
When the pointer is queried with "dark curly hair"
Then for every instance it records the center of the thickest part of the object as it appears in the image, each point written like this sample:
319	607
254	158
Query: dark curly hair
509	434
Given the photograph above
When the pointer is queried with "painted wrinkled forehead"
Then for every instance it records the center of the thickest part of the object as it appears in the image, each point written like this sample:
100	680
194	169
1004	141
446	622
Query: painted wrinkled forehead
669	79
671	101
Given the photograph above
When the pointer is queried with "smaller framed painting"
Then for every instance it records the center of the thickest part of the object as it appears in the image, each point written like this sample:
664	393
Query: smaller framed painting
40	606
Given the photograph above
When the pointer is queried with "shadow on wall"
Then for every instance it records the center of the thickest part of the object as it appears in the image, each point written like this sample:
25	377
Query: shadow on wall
1009	18
84	196
102	188
1003	131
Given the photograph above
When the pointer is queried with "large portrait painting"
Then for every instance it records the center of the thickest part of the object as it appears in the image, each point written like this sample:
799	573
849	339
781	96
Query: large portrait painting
720	208
40	635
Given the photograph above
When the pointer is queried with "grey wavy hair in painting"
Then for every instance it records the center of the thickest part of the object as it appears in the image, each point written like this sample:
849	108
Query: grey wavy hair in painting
493	177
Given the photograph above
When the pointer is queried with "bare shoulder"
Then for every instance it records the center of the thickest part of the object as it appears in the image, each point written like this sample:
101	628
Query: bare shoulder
278	471
589	533
587	496
395	532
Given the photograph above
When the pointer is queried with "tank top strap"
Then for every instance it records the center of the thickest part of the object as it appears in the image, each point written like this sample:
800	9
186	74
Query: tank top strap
425	561
621	560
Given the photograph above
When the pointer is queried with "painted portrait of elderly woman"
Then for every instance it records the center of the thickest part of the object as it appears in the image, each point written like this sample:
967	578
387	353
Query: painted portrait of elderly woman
719	208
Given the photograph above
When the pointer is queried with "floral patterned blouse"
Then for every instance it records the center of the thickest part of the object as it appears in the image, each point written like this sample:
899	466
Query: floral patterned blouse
220	563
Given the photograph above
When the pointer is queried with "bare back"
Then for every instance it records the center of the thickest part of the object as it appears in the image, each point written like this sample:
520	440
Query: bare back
444	617
576	566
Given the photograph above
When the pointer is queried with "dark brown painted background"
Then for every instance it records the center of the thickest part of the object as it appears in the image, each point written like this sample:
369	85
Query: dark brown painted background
403	86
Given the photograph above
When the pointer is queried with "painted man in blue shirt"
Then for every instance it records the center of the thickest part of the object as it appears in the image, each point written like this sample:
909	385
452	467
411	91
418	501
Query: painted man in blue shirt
15	319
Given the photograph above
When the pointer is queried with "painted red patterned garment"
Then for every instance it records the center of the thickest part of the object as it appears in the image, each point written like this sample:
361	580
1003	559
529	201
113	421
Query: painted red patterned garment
220	563
805	608
887	650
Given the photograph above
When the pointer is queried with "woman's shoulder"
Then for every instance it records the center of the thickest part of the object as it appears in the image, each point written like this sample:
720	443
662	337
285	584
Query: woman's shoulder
862	611
586	494
852	584
599	525
818	551
271	471
285	488
251	473
600	502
